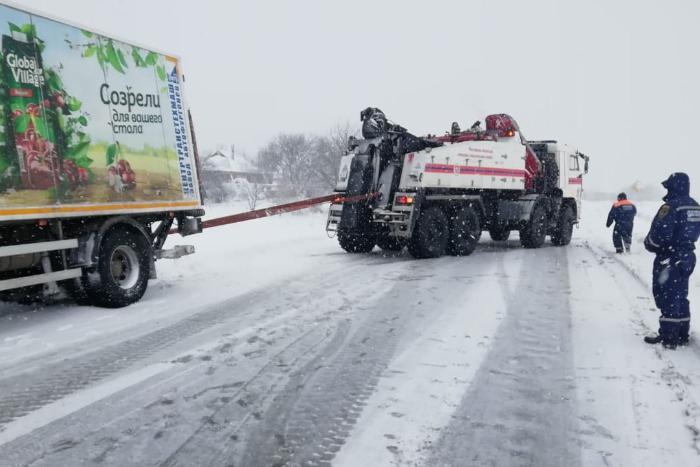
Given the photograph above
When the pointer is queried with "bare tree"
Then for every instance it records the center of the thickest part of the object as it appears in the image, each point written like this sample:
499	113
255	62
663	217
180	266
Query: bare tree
290	158
306	165
254	192
327	153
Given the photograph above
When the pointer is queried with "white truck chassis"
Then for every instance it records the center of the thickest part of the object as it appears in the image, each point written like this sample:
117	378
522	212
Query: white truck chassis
439	194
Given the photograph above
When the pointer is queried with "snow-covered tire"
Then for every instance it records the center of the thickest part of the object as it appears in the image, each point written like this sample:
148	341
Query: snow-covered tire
356	242
120	277
430	235
565	227
388	243
499	234
464	232
535	231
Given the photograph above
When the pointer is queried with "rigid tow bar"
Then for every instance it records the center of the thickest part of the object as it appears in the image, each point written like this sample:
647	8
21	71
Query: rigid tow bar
281	209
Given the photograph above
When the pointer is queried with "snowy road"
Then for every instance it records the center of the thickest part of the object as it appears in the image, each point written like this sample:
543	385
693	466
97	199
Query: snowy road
268	349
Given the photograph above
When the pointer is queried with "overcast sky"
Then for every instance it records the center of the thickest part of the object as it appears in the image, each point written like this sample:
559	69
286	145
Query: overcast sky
617	79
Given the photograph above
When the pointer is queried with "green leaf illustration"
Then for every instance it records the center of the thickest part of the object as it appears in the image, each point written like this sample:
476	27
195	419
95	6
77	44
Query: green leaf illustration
83	161
53	80
90	51
61	121
151	58
14	27
40	125
86	33
74	104
112	58
83	121
122	59
21	123
78	150
29	30
111	153
138	60
161	72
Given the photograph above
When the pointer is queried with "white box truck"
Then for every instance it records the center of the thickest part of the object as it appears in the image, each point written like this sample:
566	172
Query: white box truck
97	161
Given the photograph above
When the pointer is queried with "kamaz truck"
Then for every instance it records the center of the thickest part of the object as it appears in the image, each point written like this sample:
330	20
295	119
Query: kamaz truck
437	194
97	162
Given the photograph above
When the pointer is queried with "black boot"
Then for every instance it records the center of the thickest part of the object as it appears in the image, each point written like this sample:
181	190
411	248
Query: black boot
653	339
669	345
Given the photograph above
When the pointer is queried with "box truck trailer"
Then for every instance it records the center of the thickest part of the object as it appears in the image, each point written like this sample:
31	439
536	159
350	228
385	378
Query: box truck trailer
97	161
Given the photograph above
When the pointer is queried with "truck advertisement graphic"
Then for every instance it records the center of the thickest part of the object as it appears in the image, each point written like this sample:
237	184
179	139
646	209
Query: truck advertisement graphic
88	122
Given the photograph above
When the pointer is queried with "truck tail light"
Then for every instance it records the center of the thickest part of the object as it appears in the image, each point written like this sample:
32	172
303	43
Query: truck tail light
404	199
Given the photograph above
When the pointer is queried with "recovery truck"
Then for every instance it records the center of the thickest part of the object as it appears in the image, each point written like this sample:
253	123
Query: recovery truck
97	161
435	195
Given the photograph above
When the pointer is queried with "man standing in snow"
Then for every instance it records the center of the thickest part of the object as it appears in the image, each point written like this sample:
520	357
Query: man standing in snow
672	238
622	214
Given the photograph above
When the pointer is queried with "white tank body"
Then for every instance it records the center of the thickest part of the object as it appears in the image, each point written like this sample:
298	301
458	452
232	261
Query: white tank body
498	165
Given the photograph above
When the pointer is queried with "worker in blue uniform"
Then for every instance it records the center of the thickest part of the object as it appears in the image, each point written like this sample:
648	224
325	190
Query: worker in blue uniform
672	238
622	214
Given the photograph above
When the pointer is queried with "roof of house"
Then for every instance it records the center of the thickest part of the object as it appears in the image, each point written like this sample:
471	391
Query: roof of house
222	161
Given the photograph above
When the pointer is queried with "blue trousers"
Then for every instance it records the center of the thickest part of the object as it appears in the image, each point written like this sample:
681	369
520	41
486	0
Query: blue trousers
622	237
670	289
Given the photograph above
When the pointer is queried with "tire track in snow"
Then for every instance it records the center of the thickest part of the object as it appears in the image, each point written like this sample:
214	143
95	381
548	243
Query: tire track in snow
308	421
214	440
24	393
520	409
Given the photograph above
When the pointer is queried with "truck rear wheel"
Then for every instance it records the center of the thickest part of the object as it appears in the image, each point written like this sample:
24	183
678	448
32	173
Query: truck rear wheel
499	234
123	268
464	232
534	233
565	227
356	242
387	243
430	235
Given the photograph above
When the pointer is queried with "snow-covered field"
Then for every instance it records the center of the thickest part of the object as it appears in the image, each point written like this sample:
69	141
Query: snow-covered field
271	346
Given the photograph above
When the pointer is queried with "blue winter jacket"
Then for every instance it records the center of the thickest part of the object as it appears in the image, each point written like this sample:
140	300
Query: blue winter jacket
676	227
622	214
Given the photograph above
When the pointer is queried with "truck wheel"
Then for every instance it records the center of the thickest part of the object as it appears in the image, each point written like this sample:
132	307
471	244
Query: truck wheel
430	235
354	242
565	227
534	233
499	234
464	232
388	243
123	268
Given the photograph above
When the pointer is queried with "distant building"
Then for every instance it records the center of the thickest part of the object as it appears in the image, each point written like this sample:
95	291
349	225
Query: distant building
221	167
